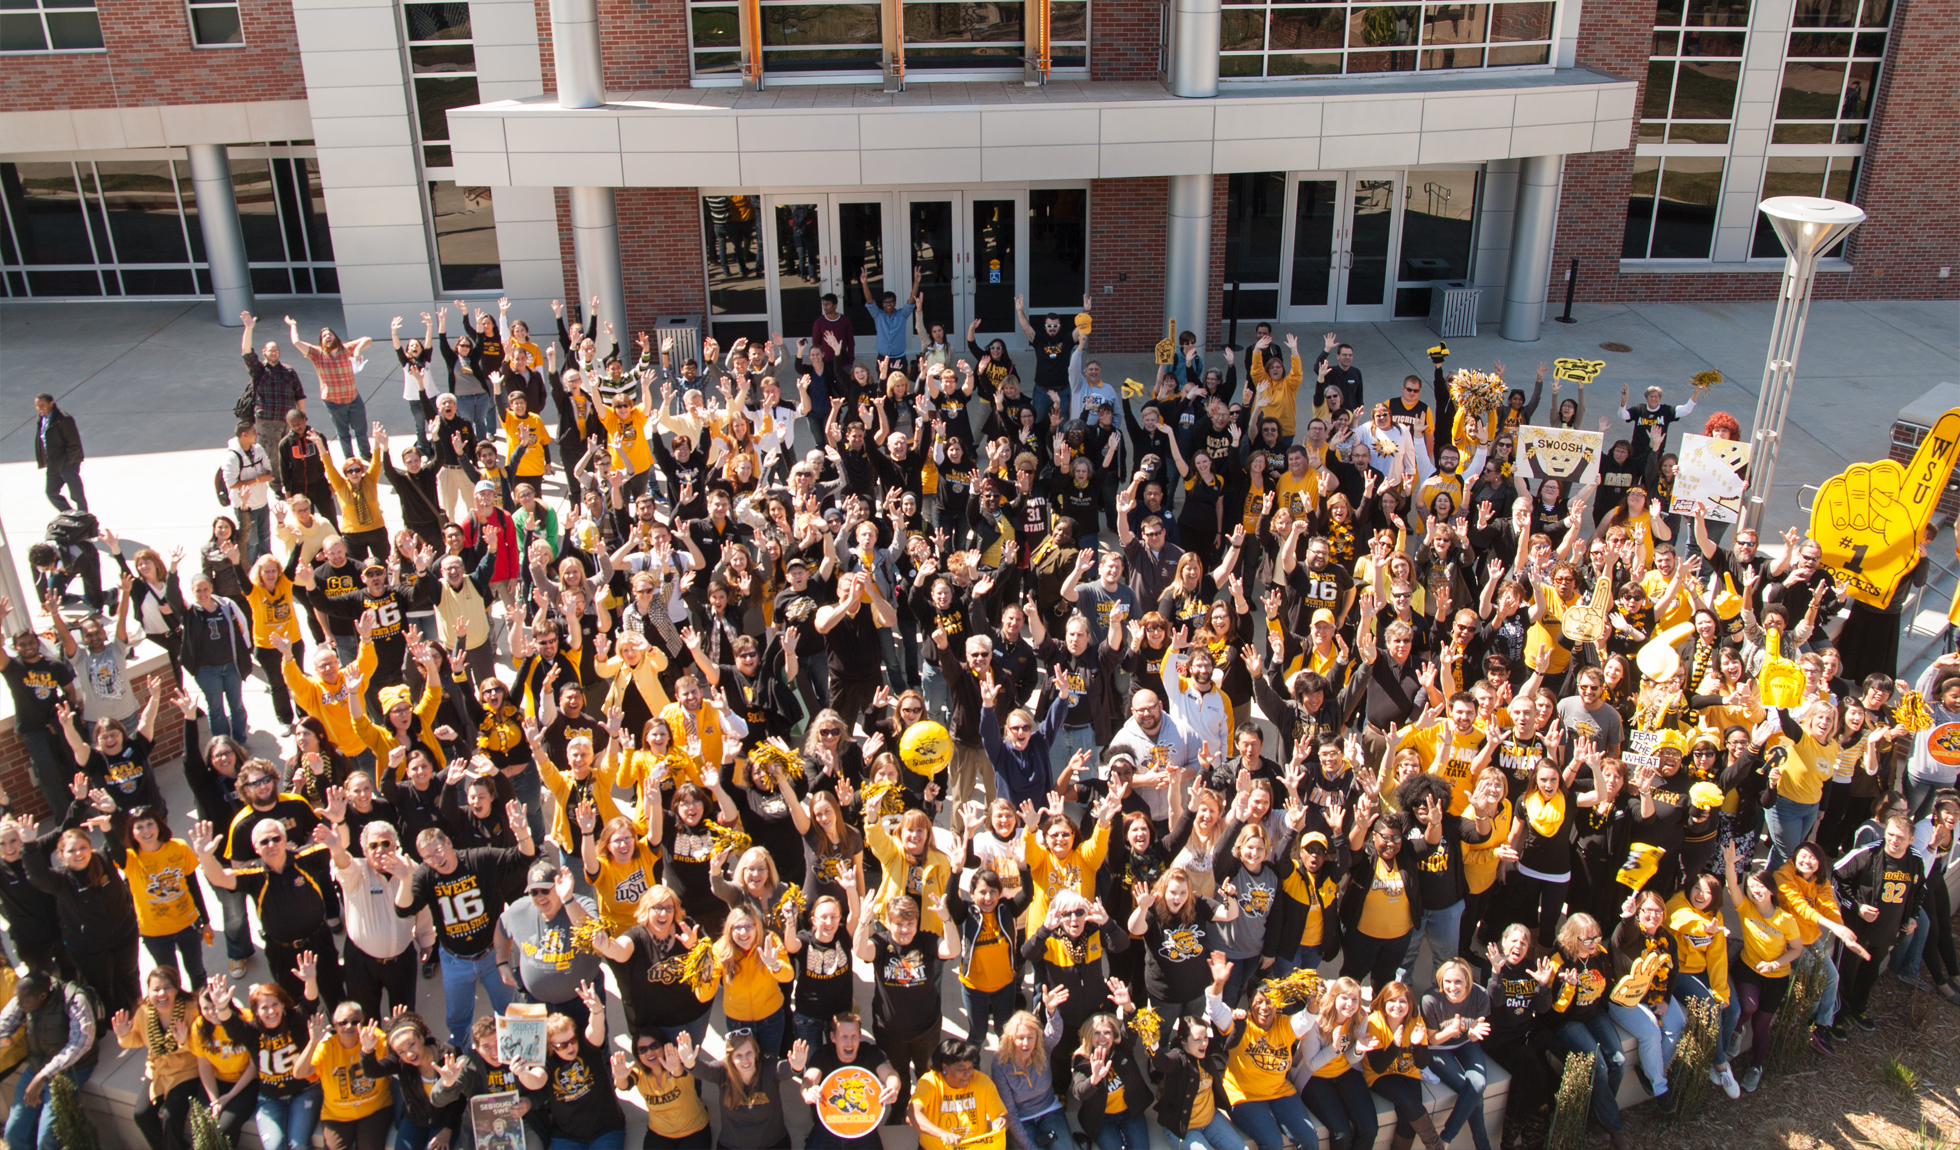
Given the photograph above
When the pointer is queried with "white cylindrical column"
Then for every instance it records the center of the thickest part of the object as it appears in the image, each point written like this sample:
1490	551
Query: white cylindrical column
224	238
595	249
1194	48
580	70
1187	254
1531	248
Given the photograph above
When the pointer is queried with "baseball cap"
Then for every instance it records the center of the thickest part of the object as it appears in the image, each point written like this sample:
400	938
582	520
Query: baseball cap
374	568
485	486
1312	839
1323	615
796	563
542	876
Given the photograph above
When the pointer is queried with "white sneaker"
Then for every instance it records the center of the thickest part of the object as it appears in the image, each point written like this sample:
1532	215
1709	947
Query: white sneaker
1429	1076
1725	1078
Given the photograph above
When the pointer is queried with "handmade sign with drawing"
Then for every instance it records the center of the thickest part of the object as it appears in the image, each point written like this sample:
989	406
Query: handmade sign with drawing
1566	454
1712	477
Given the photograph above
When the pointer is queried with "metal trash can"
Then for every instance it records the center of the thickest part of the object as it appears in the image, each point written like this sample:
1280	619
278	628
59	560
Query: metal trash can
686	333
1453	309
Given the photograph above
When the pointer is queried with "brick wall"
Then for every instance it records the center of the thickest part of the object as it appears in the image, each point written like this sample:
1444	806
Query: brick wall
1896	254
644	43
660	253
1215	289
1123	39
150	61
1126	251
164	754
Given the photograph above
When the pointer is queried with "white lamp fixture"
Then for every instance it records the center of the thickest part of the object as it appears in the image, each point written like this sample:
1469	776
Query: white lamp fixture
1809	226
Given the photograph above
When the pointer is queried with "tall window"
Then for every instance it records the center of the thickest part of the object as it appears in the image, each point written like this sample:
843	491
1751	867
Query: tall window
1255	227
1830	72
130	227
1671	213
442	62
1058	221
940	35
1833	177
1263	38
49	26
216	25
1693	72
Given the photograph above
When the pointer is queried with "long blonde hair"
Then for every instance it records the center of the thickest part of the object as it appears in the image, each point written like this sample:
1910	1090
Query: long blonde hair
1330	997
739	1092
1023	1022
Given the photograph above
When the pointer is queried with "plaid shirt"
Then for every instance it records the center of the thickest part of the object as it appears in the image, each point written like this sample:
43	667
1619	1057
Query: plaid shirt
276	388
336	370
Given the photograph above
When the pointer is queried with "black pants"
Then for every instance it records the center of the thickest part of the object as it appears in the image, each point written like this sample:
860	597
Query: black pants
1858	976
367	977
162	1119
368	1133
370	543
852	697
910	1056
46	955
238	1111
1523	1057
111	974
283	956
275	680
1373	960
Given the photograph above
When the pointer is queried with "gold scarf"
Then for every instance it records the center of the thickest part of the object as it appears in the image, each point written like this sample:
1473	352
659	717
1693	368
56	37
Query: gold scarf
1546	816
162	1040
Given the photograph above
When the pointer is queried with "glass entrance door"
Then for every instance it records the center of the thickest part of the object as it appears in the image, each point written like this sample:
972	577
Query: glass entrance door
972	259
1342	232
819	245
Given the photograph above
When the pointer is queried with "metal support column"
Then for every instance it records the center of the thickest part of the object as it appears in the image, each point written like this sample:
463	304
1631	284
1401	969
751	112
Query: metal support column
595	248
1187	255
1194	48
224	237
1531	248
576	62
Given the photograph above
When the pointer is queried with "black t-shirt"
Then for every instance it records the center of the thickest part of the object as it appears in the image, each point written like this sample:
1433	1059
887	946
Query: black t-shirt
1519	759
653	978
277	1049
1439	867
1324	588
766	818
855	650
905	999
1177	971
685	871
37	688
126	775
823	975
338	594
582	1103
291	811
292	901
1051	354
466	900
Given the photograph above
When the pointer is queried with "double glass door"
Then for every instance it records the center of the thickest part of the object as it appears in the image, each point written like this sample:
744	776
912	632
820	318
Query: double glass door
1340	241
971	258
819	244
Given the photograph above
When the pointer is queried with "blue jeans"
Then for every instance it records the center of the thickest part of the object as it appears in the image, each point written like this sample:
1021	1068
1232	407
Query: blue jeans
459	978
1657	1039
1344	1105
932	684
1217	1134
1465	1075
1789	824
1066	743
238	930
1442	928
71	478
350	426
610	1140
1820	953
695	1030
1118	1133
1599	1038
224	695
1263	1121
409	1134
421	427
1048	1129
1907	955
984	1007
768	1031
1247	973
1687	986
479	410
810	1029
32	1127
287	1123
256	523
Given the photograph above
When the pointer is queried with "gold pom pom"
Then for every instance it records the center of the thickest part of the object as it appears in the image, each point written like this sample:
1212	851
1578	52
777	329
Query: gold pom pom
584	933
699	965
1149	1026
727	839
1293	991
1477	392
1708	378
788	906
882	798
1911	713
770	756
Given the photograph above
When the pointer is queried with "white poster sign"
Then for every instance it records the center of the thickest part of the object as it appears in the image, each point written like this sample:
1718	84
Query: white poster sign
1712	477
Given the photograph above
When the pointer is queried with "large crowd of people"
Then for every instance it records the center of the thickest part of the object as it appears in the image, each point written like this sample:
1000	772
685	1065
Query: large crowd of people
1208	767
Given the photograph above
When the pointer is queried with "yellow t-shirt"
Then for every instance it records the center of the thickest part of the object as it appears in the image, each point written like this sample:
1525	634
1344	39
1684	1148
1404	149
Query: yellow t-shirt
1203	1105
628	439
620	886
159	883
1385	911
1298	495
1480	861
1296	885
525	462
1679	610
1765	939
1405	1061
347	1093
966	1112
228	1059
1255	1071
674	1108
1805	769
1076	872
272	612
989	965
1456	770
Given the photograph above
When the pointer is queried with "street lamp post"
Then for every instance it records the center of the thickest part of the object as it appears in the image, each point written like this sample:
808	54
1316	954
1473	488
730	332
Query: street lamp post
1809	227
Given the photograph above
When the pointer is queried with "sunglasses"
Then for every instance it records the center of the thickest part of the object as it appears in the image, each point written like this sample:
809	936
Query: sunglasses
1075	914
567	1044
645	1047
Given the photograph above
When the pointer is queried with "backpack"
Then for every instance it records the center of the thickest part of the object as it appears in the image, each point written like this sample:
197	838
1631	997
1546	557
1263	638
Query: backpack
218	483
73	528
246	406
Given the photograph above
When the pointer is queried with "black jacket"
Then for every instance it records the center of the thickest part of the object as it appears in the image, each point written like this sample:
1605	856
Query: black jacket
94	918
969	919
1177	1073
1361	878
63	447
1094	1095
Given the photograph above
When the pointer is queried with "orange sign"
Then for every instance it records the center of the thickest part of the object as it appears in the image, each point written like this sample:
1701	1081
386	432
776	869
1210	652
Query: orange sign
850	1101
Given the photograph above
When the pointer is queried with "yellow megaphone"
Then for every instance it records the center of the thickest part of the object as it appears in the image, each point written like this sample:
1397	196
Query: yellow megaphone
1167	346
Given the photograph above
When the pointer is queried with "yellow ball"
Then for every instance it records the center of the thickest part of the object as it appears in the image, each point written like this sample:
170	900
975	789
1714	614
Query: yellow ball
925	748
